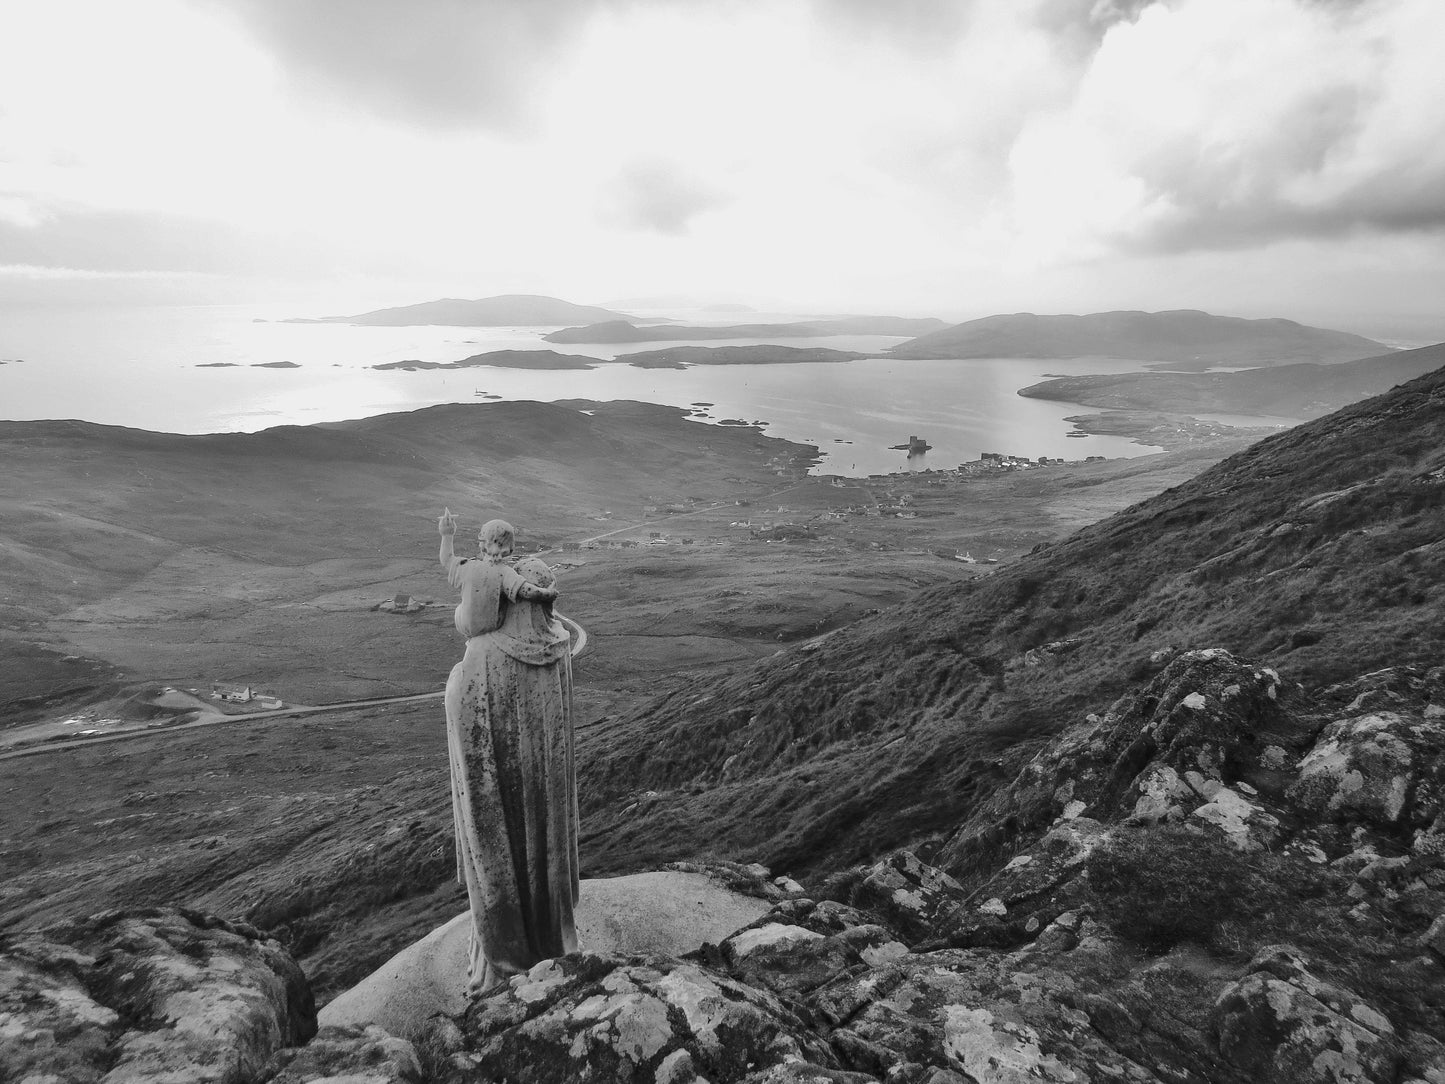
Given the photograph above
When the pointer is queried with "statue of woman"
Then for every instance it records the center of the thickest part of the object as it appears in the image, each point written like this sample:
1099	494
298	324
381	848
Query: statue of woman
510	743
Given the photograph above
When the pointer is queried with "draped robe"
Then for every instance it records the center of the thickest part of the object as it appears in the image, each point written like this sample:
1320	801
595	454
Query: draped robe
514	781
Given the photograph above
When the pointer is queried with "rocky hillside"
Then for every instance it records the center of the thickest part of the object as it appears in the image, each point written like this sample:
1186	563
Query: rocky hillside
1320	551
1183	337
1222	879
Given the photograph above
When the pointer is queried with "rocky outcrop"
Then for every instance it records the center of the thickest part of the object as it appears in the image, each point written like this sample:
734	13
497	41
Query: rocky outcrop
632	1019
151	995
1281	1023
348	1056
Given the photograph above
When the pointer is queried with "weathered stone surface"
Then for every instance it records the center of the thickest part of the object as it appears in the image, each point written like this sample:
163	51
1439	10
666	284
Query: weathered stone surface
790	956
348	1056
637	1019
147	996
1281	1023
909	895
1369	767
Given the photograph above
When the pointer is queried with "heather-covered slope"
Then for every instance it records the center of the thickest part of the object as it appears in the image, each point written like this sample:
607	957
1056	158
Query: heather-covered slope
1320	551
1184	337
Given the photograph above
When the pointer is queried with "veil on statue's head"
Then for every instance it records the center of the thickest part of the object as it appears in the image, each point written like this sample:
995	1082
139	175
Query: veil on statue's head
495	538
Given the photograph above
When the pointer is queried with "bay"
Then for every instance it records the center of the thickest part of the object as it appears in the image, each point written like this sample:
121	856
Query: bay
151	368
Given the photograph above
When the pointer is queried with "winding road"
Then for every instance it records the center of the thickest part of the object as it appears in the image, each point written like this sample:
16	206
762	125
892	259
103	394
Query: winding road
207	719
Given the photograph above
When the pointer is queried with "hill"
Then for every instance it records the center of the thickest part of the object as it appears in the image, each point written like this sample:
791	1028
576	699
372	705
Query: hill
504	310
501	359
1182	337
1306	390
1320	550
623	331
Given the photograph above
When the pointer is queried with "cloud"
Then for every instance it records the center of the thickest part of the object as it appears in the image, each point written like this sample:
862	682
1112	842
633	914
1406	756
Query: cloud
441	63
1217	124
655	196
911	23
76	242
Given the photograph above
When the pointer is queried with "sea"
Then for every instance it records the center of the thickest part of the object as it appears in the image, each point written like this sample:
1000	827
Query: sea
208	369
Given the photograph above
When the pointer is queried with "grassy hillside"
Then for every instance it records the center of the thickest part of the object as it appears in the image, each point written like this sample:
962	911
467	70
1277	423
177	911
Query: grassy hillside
1183	337
1293	391
1321	550
256	557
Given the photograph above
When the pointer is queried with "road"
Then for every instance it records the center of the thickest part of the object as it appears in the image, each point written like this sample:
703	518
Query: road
217	719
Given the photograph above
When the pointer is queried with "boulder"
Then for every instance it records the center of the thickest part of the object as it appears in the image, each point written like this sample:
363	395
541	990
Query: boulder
1281	1023
148	995
640	1019
799	945
1383	768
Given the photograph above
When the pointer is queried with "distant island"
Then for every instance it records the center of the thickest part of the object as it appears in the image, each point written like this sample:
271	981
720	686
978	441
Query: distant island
1291	391
505	310
1182	339
275	365
623	331
680	357
501	359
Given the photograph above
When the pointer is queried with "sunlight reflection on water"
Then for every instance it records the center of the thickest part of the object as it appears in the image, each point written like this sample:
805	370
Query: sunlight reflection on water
140	367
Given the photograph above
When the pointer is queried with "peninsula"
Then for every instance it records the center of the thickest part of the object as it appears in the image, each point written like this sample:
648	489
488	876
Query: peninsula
1293	391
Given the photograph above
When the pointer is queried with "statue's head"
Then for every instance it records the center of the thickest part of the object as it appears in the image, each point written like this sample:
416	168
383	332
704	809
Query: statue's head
535	570
495	538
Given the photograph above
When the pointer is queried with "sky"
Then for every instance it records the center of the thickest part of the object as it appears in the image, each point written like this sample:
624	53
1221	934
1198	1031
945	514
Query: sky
930	157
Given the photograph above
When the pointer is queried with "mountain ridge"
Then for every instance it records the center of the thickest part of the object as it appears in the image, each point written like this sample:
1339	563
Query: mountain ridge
1188	337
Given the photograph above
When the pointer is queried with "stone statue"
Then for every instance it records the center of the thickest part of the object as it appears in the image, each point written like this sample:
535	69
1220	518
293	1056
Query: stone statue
510	743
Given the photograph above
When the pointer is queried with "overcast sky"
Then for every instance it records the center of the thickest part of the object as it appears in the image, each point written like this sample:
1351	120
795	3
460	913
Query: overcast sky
953	157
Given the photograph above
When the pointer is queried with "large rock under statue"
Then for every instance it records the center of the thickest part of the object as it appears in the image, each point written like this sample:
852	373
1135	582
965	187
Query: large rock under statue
664	912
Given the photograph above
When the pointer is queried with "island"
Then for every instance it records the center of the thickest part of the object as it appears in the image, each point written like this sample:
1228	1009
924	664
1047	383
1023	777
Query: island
680	357
623	331
501	359
504	310
1178	339
275	365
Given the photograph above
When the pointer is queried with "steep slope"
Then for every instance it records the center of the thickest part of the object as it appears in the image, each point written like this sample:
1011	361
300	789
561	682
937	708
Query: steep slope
504	310
1185	337
1321	551
1306	390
